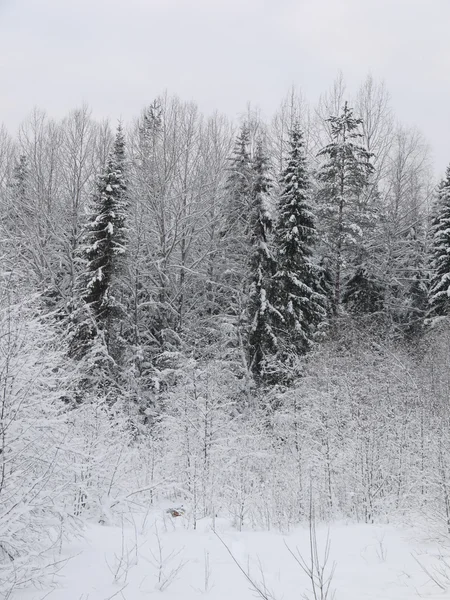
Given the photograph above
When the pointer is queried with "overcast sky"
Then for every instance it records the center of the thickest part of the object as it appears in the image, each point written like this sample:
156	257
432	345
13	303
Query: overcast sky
118	55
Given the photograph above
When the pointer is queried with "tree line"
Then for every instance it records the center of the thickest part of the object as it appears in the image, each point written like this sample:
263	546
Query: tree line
183	235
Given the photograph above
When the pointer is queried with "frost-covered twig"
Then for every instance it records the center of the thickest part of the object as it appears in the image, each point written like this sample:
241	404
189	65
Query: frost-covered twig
207	576
435	578
316	567
259	587
117	593
125	561
166	575
138	491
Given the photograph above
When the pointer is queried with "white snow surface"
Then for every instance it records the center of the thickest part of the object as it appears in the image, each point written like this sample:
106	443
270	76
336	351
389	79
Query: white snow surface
381	562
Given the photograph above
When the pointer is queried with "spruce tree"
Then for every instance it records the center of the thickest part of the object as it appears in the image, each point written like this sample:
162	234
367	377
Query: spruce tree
296	283
439	294
240	182
262	340
344	177
105	246
363	293
235	232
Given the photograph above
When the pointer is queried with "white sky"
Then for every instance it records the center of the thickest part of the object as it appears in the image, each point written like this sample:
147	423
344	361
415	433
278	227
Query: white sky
118	55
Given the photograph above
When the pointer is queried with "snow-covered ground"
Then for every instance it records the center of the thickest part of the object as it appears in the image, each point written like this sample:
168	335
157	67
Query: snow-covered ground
158	555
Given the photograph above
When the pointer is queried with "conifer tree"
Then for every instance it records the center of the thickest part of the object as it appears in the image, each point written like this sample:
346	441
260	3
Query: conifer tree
240	181
344	175
236	230
363	294
439	294
262	340
296	284
105	244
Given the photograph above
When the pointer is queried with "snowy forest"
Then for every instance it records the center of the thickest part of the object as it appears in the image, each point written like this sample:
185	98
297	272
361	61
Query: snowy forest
244	320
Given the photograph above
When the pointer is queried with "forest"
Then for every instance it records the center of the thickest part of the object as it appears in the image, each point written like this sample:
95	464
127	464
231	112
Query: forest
246	318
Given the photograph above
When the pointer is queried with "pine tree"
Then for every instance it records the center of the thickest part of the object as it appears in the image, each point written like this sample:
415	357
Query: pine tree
439	294
262	340
344	176
296	285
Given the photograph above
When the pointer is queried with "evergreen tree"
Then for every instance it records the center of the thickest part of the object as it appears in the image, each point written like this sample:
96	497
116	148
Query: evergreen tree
439	294
296	283
262	340
363	294
240	181
326	283
344	175
105	245
237	230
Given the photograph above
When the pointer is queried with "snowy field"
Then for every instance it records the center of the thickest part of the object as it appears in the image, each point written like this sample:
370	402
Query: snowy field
157	555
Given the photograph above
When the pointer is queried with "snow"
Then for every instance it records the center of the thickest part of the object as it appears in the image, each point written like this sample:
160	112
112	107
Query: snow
124	561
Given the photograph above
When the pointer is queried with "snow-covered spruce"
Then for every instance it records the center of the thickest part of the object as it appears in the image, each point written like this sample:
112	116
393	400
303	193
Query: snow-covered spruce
262	341
296	287
106	234
439	294
103	250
